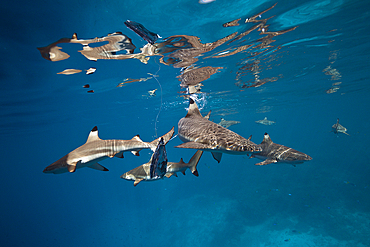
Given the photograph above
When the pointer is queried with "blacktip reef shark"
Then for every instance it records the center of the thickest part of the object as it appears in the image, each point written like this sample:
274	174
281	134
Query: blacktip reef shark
274	153
227	124
199	133
96	149
265	121
338	128
142	173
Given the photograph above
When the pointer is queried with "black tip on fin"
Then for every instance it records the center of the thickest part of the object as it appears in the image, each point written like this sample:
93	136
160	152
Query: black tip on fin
191	101
196	173
95	128
266	133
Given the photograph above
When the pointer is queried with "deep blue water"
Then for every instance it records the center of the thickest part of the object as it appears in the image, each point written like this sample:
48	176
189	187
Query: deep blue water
314	75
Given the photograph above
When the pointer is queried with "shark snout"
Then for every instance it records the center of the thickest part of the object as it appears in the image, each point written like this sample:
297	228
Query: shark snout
128	176
308	157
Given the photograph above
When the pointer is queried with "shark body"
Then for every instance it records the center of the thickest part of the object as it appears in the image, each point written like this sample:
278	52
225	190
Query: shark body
338	128
226	123
96	149
199	133
142	173
265	121
273	153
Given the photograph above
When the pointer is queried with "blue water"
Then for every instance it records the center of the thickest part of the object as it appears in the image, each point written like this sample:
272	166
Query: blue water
321	74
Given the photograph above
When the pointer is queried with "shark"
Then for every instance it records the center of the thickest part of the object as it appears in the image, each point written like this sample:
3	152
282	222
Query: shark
226	123
96	150
199	133
158	162
142	173
265	121
338	128
274	153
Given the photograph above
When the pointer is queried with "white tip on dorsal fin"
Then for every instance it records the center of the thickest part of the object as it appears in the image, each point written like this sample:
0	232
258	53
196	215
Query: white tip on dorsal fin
93	136
136	138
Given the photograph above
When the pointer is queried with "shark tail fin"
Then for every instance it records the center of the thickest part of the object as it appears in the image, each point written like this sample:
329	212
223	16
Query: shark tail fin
166	137
194	162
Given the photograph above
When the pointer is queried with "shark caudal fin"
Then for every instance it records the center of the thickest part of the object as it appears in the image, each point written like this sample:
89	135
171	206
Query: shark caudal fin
194	162
166	138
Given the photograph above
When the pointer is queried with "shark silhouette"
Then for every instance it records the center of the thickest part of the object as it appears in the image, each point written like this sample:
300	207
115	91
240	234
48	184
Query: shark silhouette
338	128
96	149
274	153
265	121
227	123
199	133
142	173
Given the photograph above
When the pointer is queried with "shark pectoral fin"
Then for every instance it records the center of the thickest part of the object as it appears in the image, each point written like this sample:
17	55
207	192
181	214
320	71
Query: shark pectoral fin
72	167
119	155
169	174
195	173
193	145
138	181
136	153
194	162
97	166
217	156
266	162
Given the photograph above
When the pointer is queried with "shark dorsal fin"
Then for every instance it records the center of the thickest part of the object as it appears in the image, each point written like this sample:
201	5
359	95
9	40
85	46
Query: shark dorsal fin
136	138
266	139
93	136
193	109
208	115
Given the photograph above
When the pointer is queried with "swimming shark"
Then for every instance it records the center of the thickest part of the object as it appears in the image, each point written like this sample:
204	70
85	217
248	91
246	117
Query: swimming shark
265	121
142	173
227	124
96	149
199	133
274	153
338	128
